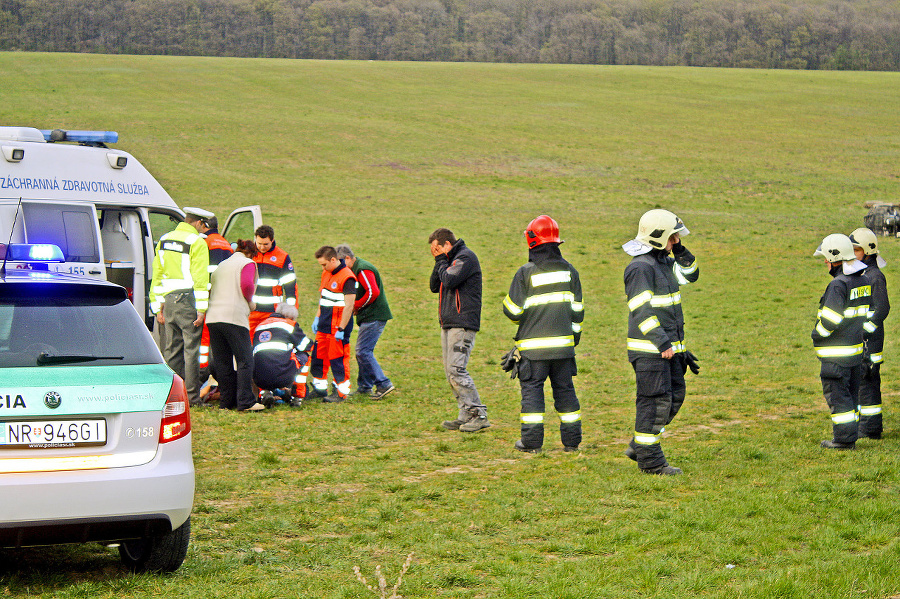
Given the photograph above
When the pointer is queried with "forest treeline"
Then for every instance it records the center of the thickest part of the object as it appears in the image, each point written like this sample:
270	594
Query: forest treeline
795	34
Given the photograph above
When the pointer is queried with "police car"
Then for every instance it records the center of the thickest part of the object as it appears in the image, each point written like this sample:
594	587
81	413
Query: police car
95	430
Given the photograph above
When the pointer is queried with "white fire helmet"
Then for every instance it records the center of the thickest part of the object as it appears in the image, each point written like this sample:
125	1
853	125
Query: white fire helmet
656	226
864	238
836	248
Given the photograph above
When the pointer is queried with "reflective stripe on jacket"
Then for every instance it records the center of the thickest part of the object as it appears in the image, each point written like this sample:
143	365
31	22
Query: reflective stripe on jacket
181	264
879	308
274	342
331	298
277	280
652	289
843	310
545	300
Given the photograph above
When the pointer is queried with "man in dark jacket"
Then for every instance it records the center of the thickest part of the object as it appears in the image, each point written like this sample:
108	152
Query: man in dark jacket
865	246
545	301
838	337
656	347
457	278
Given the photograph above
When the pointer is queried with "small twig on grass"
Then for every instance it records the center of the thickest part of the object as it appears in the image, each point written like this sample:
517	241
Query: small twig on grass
381	592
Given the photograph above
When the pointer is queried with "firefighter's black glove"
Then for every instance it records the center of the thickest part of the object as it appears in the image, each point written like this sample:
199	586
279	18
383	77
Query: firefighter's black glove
692	362
510	362
677	248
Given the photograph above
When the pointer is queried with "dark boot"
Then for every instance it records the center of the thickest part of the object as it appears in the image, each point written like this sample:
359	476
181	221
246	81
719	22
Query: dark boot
831	444
663	470
519	446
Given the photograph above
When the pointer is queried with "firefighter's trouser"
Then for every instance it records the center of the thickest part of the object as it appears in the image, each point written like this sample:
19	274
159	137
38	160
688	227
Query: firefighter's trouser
870	401
660	394
840	386
532	375
334	353
456	349
182	350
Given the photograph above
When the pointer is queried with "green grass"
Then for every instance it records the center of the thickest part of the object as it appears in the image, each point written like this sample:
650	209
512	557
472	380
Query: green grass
761	165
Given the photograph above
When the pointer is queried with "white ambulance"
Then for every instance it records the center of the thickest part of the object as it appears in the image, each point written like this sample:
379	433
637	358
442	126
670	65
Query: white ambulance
99	205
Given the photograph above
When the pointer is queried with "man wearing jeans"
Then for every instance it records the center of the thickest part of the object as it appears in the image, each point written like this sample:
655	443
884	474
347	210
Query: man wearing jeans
457	278
372	313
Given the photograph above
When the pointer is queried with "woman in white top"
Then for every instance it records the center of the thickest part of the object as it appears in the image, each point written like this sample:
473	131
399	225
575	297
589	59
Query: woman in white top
231	288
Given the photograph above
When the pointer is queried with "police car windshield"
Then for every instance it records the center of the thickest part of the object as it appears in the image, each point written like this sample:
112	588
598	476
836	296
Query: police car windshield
82	331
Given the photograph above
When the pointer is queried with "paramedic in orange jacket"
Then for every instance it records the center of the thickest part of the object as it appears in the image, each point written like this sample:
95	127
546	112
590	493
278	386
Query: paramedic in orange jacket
332	326
277	280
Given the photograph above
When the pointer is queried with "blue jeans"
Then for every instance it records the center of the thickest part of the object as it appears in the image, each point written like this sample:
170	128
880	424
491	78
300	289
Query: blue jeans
370	373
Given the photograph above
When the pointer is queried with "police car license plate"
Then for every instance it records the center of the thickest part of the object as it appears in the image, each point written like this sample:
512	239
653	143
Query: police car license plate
49	434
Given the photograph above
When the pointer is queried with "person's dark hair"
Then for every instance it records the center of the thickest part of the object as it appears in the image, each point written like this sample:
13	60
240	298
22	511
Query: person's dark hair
211	223
265	232
442	236
247	247
327	252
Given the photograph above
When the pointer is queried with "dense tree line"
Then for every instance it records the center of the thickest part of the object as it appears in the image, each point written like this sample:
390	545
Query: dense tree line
798	34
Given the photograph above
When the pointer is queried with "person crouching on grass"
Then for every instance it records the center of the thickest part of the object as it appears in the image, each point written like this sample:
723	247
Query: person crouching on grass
838	337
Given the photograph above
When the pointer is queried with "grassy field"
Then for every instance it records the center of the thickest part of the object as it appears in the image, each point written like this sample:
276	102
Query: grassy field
761	165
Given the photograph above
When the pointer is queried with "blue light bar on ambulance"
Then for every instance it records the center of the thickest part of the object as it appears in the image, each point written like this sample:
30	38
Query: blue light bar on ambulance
84	137
34	252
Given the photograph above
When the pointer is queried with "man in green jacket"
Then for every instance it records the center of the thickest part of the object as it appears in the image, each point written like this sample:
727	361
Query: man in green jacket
372	313
179	296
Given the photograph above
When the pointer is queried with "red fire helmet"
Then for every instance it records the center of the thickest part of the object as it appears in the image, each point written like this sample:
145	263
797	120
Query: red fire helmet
541	230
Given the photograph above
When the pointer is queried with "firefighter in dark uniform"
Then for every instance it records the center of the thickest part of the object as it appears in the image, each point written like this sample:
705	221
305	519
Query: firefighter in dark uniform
545	301
865	247
655	344
838	337
281	355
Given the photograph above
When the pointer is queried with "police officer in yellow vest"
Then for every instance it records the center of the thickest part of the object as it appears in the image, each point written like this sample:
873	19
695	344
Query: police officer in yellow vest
179	296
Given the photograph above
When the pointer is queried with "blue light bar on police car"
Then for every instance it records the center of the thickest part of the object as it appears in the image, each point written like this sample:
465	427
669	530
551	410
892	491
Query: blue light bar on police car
34	252
103	137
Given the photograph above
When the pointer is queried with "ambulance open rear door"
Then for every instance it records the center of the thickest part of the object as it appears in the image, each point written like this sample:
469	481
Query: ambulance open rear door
242	223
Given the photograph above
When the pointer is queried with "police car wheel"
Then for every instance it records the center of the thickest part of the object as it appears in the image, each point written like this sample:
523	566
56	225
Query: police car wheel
163	553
